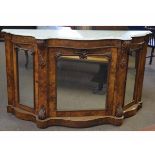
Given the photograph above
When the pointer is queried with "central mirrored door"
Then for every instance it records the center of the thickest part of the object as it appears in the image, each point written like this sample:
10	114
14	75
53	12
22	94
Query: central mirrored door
81	85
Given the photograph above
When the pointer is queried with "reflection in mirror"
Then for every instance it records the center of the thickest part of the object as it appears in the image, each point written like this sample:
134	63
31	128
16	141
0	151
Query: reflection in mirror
81	84
131	75
25	71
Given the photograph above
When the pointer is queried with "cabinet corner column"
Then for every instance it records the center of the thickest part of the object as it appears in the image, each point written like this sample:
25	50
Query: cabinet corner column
121	75
42	66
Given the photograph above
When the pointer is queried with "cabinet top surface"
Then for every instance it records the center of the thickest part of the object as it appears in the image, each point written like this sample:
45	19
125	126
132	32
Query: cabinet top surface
77	34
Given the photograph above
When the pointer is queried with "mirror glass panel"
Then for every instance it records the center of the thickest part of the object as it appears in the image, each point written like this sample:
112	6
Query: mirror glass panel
25	72
131	75
81	84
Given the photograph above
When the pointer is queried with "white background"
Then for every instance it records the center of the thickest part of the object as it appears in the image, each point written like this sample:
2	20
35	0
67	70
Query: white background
77	12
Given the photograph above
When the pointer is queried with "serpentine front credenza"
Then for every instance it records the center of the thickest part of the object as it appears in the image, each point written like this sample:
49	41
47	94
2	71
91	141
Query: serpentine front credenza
50	72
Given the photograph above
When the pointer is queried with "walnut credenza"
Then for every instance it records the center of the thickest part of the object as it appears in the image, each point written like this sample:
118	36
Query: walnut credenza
47	46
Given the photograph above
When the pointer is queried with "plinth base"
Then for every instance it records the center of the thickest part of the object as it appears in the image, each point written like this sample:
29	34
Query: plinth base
76	122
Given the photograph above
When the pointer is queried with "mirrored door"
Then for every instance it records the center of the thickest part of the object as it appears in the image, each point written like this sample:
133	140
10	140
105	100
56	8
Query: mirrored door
131	75
25	69
81	85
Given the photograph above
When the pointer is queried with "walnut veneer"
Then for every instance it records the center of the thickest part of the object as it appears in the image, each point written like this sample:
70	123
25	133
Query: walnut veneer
46	52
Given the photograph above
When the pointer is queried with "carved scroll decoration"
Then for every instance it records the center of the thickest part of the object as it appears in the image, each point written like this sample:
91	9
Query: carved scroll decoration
126	46
123	62
82	54
41	47
119	111
42	62
125	49
42	113
58	54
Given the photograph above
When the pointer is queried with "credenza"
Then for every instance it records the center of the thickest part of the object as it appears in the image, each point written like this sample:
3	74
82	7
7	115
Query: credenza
35	77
